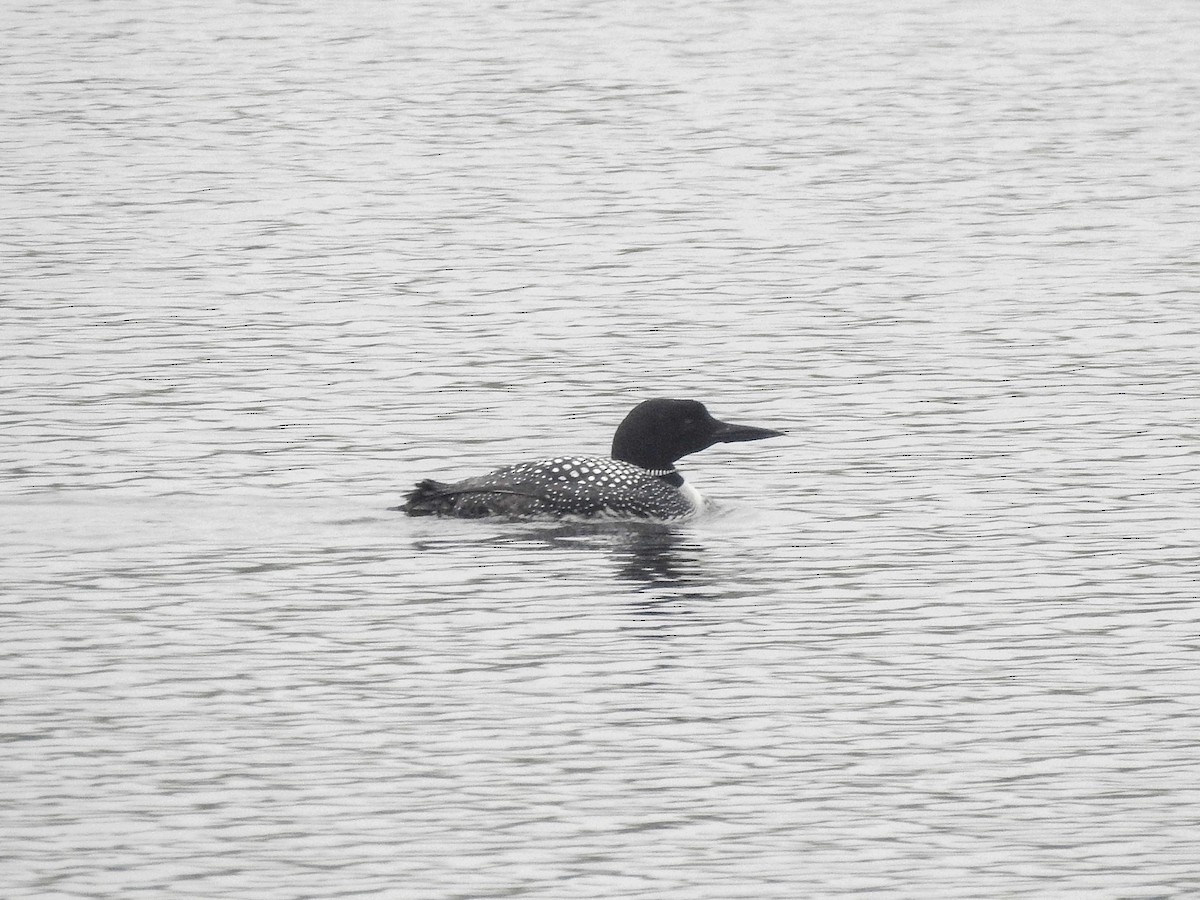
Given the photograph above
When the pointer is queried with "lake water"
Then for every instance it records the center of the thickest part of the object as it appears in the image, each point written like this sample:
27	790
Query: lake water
265	265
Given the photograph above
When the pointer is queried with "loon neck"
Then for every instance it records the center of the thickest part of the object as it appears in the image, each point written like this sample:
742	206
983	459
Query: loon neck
667	473
670	476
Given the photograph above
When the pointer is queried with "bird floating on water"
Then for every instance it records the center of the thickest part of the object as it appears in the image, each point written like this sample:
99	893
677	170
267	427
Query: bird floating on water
639	479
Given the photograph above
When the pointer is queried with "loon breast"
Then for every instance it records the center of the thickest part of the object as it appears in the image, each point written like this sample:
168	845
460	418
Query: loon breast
561	486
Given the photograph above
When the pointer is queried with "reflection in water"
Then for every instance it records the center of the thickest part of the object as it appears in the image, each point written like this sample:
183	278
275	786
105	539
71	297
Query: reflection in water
658	556
654	556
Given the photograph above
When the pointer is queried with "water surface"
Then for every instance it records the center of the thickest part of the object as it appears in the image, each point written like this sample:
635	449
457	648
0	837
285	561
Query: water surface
265	266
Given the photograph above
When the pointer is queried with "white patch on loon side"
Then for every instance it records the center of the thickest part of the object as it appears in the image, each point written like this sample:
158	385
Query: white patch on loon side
693	496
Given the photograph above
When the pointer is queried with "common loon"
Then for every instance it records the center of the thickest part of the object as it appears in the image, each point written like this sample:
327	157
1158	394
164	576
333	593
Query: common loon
639	480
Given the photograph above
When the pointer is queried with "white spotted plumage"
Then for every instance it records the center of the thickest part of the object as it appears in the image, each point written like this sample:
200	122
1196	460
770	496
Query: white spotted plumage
575	485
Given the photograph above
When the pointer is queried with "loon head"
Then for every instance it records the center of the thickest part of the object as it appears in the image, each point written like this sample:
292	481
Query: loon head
658	432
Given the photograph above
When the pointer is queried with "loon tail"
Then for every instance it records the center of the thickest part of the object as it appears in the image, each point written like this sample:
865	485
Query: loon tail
467	500
429	498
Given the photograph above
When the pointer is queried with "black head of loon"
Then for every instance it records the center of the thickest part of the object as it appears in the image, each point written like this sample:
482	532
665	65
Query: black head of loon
657	433
638	480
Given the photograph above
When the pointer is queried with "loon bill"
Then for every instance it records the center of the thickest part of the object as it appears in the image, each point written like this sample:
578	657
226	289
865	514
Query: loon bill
639	479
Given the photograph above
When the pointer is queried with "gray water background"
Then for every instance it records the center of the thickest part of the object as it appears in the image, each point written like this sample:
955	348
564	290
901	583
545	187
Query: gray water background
265	265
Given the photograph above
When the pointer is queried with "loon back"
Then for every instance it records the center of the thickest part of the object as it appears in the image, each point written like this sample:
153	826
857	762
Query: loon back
639	480
587	486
